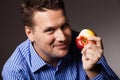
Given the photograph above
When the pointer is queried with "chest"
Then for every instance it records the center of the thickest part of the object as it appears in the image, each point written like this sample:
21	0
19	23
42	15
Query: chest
63	72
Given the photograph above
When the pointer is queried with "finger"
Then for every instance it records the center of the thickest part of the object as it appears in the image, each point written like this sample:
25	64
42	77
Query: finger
92	55
86	47
92	49
97	40
96	50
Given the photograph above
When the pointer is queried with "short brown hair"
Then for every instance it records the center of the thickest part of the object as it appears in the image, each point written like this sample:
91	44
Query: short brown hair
29	6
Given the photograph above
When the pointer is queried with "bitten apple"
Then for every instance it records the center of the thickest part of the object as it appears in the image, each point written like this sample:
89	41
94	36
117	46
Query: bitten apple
82	38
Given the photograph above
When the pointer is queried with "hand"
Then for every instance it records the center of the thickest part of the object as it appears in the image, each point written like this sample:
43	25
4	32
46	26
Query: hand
91	53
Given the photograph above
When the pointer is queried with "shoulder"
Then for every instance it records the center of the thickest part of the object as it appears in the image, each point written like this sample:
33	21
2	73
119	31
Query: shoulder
17	61
75	33
73	50
73	43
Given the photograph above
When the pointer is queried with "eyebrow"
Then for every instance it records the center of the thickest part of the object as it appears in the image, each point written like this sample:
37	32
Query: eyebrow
54	27
49	27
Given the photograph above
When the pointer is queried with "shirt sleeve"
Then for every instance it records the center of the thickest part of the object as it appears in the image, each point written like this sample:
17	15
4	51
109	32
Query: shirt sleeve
15	74
106	72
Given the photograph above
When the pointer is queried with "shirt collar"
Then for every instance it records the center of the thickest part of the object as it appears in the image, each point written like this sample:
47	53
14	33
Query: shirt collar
36	61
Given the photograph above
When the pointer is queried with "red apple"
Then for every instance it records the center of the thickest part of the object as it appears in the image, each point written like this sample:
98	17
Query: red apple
82	38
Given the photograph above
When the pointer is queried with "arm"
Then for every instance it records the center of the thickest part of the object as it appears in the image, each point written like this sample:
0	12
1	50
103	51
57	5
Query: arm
10	74
106	73
106	69
13	73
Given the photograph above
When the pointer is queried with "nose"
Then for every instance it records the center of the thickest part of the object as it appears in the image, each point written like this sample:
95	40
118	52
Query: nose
60	35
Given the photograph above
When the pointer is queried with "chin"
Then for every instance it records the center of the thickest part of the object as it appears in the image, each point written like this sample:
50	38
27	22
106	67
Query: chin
63	54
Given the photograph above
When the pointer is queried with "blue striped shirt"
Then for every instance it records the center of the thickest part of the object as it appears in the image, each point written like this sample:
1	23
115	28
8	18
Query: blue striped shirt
26	64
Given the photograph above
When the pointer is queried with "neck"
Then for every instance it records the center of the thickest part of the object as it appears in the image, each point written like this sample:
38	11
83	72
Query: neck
52	62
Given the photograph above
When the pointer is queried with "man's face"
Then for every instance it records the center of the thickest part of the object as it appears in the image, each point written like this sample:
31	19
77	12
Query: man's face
51	35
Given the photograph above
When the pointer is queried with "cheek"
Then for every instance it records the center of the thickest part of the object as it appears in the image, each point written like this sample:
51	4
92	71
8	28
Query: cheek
47	40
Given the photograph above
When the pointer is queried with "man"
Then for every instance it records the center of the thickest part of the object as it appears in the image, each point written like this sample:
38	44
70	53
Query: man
50	52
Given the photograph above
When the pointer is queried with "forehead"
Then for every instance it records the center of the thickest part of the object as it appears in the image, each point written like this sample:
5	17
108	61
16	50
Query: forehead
49	17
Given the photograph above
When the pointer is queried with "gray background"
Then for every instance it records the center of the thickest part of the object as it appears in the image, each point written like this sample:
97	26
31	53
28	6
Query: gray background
103	16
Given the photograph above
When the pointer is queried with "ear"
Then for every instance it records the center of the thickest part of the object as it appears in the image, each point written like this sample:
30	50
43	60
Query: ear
29	33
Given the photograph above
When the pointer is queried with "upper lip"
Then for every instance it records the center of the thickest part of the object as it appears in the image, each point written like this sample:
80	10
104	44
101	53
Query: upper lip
60	44
64	44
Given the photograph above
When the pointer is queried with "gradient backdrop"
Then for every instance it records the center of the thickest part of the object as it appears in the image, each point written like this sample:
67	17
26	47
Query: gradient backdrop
103	16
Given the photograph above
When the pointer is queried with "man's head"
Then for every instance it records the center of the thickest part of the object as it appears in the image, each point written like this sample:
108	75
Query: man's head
28	7
47	26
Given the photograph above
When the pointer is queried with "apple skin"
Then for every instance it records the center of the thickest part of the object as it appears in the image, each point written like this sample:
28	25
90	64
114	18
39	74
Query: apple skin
82	38
81	41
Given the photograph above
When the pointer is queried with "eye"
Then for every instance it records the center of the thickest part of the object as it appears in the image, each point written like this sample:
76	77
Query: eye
64	26
50	31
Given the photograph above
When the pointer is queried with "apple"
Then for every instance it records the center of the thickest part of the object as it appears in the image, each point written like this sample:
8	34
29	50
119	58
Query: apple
82	38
